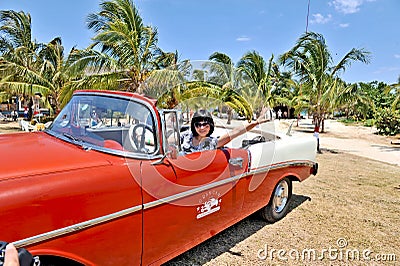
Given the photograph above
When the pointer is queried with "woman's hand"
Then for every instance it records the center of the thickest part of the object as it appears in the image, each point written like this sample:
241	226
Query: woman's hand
226	138
262	118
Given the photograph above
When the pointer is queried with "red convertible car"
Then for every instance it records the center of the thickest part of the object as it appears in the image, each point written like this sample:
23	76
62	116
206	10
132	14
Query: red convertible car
106	183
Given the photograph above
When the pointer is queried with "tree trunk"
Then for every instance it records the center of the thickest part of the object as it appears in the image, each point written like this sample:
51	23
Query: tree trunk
318	121
229	112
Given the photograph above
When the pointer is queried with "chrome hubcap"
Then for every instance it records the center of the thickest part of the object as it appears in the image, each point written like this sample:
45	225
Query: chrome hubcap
280	196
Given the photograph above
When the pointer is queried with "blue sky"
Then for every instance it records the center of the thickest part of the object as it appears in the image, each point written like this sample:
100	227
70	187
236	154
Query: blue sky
197	28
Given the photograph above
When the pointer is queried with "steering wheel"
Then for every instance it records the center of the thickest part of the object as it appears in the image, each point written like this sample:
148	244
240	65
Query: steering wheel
138	138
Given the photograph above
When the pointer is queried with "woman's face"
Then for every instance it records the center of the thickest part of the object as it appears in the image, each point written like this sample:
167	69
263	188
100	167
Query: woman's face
202	128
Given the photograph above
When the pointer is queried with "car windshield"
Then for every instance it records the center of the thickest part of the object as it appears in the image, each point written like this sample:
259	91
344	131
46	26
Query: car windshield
108	122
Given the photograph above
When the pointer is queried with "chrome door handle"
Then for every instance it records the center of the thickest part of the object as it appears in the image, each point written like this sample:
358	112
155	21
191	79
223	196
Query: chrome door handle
238	161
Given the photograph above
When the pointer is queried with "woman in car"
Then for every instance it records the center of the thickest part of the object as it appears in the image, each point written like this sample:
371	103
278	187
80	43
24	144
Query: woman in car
202	126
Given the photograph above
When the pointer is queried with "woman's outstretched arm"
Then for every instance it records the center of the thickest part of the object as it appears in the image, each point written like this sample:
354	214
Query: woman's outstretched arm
225	139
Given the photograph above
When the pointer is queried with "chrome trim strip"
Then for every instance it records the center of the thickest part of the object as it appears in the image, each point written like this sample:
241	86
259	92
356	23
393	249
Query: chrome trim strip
75	227
115	215
282	165
223	182
192	191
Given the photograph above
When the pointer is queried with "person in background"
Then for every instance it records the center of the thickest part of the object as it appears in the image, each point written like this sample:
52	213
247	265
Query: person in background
298	119
316	134
30	110
95	120
26	113
279	114
14	115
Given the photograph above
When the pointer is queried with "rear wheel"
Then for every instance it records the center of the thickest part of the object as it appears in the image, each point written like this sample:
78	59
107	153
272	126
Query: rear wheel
278	205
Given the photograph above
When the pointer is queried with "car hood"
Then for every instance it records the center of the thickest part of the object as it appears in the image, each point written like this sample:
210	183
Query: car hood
26	154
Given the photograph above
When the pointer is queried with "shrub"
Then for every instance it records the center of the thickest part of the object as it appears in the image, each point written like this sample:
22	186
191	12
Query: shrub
347	121
369	122
387	121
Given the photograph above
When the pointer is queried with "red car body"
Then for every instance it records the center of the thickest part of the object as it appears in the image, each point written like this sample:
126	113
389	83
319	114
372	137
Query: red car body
73	201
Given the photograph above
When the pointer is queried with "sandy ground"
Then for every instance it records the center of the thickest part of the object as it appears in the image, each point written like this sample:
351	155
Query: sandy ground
9	127
357	140
338	137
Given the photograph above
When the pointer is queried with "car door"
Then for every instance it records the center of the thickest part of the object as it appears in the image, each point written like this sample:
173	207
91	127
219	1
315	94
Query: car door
189	198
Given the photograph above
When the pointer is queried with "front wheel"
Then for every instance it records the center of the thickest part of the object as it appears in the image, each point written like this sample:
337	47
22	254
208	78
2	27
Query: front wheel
278	205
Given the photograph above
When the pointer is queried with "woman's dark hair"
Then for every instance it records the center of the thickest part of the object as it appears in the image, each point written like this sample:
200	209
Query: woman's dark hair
202	115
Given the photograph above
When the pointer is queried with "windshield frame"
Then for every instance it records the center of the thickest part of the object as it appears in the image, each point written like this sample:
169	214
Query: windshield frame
78	140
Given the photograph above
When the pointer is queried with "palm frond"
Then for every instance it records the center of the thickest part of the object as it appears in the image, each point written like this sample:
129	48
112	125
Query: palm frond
192	90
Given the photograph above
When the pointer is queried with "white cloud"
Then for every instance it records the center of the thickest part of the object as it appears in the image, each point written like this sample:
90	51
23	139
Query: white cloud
344	25
386	70
347	6
320	19
243	39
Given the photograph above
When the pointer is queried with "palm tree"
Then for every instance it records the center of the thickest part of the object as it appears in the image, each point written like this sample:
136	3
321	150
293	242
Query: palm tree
170	72
256	71
396	89
18	52
355	99
57	74
289	92
312	62
26	67
195	89
223	72
127	49
221	68
16	33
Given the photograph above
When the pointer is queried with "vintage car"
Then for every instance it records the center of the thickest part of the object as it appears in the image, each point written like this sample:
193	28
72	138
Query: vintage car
107	184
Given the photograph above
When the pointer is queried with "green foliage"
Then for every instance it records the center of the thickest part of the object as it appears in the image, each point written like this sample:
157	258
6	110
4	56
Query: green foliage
311	61
376	91
347	121
196	89
369	122
388	121
27	67
125	46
